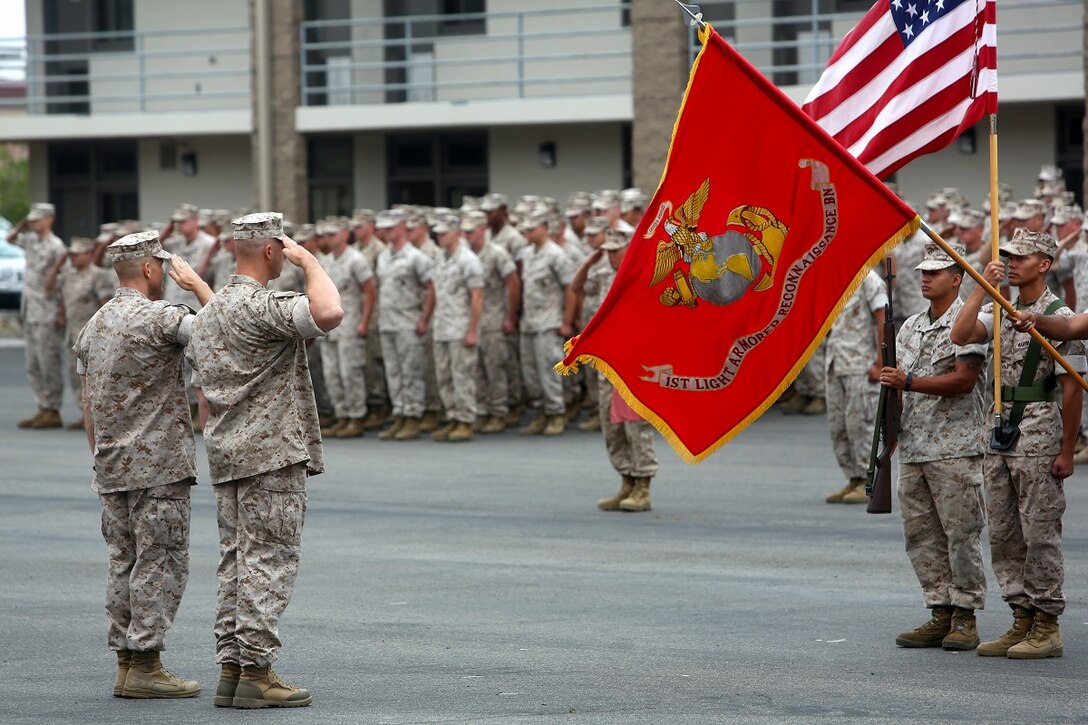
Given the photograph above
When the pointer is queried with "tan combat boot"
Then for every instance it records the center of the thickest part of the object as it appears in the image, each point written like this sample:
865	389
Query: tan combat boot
639	500
353	428
590	424
429	422
838	496
124	657
536	427
77	425
261	687
930	634
556	425
1043	640
48	419
795	405
390	432
331	430
376	417
409	431
228	684
857	495
964	634
613	504
1022	620
514	416
461	432
479	423
816	406
148	679
443	433
29	422
494	424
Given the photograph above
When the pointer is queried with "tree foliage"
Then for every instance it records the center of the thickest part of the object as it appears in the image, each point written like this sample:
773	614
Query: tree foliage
14	182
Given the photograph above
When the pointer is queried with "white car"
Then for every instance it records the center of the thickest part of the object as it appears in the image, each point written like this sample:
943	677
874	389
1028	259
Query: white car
12	273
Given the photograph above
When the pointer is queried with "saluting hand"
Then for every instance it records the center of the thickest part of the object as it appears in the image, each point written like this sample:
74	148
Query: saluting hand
182	273
295	253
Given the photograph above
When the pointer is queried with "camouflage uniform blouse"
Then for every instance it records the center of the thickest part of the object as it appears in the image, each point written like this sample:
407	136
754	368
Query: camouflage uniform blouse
402	278
1041	426
37	305
933	427
851	344
497	266
131	352
83	291
454	278
545	271
348	272
249	356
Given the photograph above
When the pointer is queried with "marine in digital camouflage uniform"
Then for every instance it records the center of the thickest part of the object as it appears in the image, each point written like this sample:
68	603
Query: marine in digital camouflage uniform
138	427
406	303
498	322
940	468
377	392
459	298
43	326
598	281
84	288
1024	484
263	440
546	274
503	234
853	366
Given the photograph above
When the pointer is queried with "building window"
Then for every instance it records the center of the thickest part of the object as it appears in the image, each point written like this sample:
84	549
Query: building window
437	169
1070	147
455	25
114	16
331	175
92	183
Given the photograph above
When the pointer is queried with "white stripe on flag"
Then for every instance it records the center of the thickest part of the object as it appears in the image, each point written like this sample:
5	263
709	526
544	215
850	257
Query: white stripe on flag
854	56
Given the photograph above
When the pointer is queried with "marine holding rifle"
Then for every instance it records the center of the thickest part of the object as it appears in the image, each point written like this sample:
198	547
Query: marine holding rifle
1030	452
940	469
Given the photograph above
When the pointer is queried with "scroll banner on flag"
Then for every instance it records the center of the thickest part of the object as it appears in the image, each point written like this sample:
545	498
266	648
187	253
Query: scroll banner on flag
761	229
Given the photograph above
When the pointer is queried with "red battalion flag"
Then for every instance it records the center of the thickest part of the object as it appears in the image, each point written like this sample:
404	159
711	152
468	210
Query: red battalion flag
908	79
761	229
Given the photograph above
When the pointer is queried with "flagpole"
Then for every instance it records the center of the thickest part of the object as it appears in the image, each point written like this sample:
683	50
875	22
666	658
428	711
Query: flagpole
1004	303
995	224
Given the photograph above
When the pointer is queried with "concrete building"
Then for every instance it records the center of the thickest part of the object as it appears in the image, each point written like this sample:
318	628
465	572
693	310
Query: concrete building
319	106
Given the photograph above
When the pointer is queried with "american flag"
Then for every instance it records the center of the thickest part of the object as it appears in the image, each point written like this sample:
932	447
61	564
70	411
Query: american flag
908	79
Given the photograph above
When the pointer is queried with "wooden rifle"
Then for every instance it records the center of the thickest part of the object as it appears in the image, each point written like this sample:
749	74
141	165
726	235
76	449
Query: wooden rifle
878	479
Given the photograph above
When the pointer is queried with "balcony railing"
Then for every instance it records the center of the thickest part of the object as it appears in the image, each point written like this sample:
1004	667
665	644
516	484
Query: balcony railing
562	51
1033	37
131	71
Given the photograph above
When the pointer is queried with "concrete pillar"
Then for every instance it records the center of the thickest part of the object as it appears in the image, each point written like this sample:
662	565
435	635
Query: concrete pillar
289	187
660	65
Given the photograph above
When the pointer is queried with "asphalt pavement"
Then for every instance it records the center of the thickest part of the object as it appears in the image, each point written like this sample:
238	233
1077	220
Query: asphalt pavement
455	583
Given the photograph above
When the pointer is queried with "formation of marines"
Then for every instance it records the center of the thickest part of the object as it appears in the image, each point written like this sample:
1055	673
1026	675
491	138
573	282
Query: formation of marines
395	320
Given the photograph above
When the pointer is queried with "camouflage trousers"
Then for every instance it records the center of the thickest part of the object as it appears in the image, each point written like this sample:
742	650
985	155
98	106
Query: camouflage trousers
630	444
851	414
456	368
403	352
540	351
377	392
1024	507
942	509
44	363
812	381
432	402
344	365
492	378
317	377
514	381
147	541
260	538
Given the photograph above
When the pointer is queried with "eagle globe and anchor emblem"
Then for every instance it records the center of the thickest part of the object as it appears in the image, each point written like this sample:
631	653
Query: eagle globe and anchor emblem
722	268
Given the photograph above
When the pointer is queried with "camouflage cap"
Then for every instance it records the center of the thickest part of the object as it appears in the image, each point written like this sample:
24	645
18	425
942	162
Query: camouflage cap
605	200
1025	242
936	200
80	245
470	203
106	232
262	225
205	217
533	219
361	217
968	218
446	223
631	199
936	258
1028	209
137	246
304	233
223	217
1005	212
415	217
578	207
184	212
289	229
41	210
473	220
595	225
1050	172
615	239
389	218
1065	214
493	201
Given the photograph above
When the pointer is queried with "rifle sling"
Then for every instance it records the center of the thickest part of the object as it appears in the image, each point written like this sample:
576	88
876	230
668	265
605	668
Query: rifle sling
1029	391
